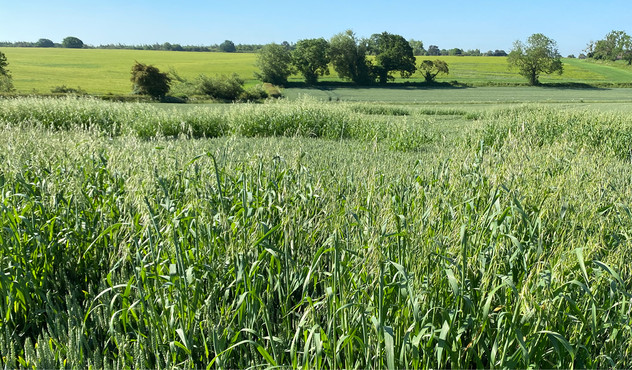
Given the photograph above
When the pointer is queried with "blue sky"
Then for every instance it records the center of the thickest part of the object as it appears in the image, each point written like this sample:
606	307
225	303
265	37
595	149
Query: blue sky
475	24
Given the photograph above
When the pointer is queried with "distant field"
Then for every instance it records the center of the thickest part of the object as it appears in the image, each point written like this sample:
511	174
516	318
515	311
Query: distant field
107	71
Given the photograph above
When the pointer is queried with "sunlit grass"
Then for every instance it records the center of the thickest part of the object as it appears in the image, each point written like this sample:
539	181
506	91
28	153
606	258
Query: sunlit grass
503	243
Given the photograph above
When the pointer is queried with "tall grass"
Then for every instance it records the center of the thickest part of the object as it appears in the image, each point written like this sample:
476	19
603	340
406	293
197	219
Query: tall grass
234	252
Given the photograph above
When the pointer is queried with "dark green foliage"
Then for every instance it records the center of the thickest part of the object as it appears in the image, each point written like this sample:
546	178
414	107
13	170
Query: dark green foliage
538	56
311	58
6	81
348	57
67	90
418	47
3	65
392	53
430	69
72	42
148	80
220	87
275	64
44	43
227	47
616	45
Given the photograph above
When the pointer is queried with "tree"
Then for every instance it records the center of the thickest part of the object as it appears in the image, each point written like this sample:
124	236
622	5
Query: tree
148	80
430	69
311	58
617	44
227	47
392	53
348	57
418	47
44	43
6	81
3	65
275	63
539	55
72	43
433	50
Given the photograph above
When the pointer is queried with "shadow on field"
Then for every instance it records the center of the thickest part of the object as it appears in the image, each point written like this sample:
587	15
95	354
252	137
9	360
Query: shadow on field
329	85
571	85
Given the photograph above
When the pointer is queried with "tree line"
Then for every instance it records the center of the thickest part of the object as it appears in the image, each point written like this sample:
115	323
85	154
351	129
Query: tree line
76	43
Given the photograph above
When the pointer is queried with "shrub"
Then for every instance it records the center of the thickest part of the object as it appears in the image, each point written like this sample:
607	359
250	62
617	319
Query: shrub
254	93
220	87
148	80
67	90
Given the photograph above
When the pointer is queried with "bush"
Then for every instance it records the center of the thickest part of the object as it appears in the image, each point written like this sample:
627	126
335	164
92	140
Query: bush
148	80
67	90
254	93
6	83
221	87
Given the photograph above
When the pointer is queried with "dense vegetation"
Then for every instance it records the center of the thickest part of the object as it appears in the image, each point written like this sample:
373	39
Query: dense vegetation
314	234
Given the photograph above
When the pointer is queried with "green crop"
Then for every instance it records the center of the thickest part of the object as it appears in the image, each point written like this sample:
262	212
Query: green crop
311	234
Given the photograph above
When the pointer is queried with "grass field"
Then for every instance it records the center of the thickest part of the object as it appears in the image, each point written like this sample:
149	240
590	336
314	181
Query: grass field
310	233
108	71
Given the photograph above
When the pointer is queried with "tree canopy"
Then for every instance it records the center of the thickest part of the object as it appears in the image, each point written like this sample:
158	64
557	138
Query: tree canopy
616	45
3	65
44	43
311	58
275	63
539	55
72	43
348	57
392	53
148	80
6	81
430	69
227	46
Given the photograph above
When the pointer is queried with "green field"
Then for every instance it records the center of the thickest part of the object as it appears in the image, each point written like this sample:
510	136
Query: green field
449	230
108	71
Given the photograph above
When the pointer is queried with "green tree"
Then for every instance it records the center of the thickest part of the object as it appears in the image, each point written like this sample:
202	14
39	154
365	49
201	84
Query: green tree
539	55
418	47
44	43
275	63
148	80
348	57
6	81
616	44
392	53
311	59
72	43
430	69
3	65
227	47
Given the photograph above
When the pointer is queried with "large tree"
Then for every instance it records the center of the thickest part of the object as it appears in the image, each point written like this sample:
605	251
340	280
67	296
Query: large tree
348	57
539	55
616	44
72	43
275	63
392	54
311	59
148	80
227	47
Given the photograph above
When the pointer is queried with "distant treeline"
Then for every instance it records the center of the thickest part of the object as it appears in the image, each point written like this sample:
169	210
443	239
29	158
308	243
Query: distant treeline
226	46
229	46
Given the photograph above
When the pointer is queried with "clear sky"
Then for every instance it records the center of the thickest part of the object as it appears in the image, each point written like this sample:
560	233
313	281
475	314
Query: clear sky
473	24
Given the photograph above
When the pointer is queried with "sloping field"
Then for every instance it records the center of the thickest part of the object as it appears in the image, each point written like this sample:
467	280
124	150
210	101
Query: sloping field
100	71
